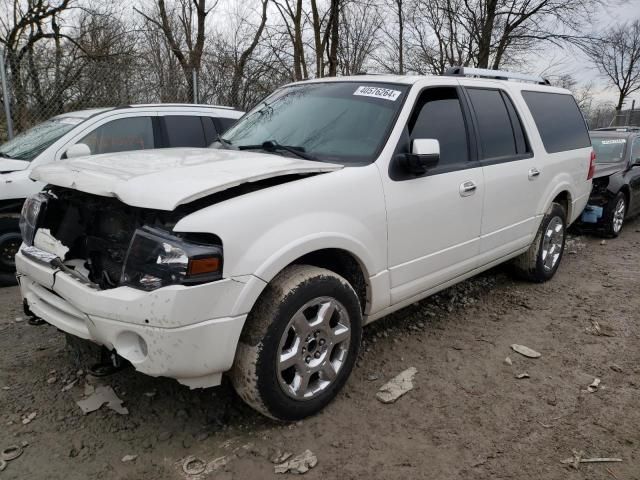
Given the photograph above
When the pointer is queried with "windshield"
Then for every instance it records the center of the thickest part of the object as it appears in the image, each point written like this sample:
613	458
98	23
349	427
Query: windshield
30	143
342	122
609	149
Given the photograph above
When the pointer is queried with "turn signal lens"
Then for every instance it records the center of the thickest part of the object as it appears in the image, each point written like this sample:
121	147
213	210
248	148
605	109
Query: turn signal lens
592	165
199	266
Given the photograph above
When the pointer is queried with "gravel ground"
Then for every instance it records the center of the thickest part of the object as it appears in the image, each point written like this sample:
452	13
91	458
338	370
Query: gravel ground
468	416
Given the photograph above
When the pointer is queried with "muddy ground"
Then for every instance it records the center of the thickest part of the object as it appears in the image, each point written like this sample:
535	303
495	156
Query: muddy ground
468	417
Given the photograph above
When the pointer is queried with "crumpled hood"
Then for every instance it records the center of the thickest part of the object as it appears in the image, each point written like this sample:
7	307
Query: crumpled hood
11	165
164	179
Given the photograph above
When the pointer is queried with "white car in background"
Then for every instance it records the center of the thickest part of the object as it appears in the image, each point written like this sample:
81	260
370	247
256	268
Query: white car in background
91	132
331	204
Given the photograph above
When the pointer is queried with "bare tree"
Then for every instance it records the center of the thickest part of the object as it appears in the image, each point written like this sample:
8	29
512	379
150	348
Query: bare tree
242	59
24	26
177	25
359	28
617	57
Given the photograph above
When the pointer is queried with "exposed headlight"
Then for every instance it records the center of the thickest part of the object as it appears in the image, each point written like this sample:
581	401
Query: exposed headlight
33	208
157	258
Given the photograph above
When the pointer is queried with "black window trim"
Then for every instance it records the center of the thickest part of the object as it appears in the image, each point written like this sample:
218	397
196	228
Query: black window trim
398	175
505	158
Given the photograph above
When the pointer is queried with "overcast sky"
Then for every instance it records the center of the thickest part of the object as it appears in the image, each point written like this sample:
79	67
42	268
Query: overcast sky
568	60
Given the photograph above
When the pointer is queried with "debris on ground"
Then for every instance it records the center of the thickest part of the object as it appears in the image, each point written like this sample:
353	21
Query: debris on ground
3	465
508	361
29	418
525	351
594	386
129	458
104	394
578	458
599	330
522	375
193	465
11	453
69	385
603	242
300	463
372	377
616	368
397	386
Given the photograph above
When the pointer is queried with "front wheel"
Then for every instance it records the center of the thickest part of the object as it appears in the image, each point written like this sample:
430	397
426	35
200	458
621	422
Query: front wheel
9	245
541	261
616	211
300	343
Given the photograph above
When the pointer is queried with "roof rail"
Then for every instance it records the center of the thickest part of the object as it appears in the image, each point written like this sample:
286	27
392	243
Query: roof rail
494	74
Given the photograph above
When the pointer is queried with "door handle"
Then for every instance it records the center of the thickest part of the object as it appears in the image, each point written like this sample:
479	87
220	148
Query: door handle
467	188
533	173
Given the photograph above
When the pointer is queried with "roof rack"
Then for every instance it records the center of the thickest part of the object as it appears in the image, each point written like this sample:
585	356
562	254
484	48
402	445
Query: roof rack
494	74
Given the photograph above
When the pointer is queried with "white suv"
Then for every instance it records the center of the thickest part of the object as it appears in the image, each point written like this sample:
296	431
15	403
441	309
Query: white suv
331	204
90	132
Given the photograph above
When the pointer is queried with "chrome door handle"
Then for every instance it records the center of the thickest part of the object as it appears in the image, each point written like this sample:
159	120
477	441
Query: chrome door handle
467	188
533	173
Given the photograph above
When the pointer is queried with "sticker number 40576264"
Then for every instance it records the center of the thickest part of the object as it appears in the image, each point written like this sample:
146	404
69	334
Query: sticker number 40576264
385	93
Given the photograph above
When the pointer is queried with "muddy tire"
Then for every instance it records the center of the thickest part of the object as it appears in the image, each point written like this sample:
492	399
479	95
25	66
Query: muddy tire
541	261
616	210
300	343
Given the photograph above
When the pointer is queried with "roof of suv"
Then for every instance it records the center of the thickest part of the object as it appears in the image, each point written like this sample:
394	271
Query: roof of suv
413	79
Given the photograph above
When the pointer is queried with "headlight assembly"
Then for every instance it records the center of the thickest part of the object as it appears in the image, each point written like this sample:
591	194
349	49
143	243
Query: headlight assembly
33	209
157	258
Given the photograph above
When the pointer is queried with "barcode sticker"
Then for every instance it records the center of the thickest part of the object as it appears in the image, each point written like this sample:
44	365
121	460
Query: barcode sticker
375	92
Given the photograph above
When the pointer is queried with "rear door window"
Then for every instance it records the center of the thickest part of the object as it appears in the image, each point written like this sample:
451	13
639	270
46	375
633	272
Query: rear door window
559	121
497	136
121	135
184	131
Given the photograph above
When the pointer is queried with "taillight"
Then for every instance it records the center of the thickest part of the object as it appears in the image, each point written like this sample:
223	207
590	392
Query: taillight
592	165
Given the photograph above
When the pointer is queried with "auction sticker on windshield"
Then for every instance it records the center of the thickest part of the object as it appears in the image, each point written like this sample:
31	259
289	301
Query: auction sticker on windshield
375	92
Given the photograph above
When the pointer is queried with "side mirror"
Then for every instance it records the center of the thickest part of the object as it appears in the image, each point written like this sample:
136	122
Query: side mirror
425	154
636	162
77	150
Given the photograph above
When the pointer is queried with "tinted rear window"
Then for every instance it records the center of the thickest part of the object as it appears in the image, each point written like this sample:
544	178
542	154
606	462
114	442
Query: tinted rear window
496	135
559	121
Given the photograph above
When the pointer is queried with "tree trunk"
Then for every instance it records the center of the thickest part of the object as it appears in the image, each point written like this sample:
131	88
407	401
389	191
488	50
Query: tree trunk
485	33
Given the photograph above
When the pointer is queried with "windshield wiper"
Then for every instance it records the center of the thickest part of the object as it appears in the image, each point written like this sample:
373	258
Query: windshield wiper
273	146
225	143
4	155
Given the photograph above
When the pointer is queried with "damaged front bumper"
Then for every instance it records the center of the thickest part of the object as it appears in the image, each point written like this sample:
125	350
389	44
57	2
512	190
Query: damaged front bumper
186	333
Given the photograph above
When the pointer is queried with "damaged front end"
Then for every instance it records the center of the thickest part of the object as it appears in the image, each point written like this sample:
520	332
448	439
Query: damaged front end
106	243
594	212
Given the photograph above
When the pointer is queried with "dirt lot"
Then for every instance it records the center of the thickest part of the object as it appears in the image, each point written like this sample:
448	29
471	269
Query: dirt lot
467	418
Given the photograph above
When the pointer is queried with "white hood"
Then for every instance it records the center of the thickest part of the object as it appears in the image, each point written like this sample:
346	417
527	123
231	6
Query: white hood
11	165
164	179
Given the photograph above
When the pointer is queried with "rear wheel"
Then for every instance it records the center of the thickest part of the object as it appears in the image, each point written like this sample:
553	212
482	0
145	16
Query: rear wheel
300	344
541	261
616	211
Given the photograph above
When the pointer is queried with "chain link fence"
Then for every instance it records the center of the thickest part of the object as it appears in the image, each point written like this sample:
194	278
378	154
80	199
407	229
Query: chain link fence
38	92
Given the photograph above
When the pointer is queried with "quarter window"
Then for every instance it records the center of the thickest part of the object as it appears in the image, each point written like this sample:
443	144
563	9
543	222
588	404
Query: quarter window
497	137
124	134
559	121
439	116
184	131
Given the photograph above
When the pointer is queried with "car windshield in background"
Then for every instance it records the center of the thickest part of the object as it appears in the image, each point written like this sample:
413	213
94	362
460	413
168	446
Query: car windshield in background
609	149
342	122
30	143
